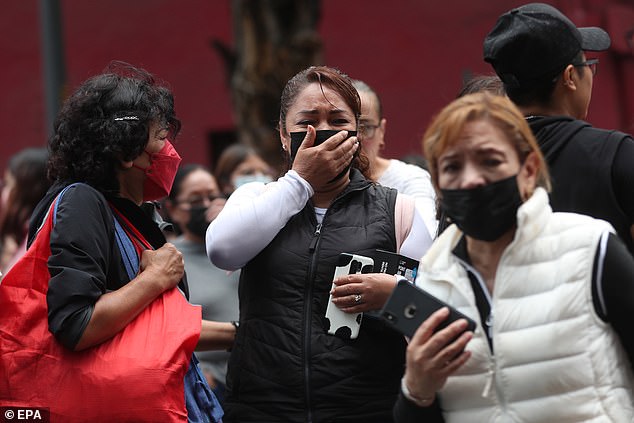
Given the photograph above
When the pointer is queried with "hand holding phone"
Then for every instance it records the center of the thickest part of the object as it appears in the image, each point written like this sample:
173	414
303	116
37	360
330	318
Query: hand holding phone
435	351
340	323
409	306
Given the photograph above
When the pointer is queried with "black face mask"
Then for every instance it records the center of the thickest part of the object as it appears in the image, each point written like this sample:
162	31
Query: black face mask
320	136
197	223
484	213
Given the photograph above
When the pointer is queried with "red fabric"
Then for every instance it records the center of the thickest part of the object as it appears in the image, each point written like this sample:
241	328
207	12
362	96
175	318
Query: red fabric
137	376
140	243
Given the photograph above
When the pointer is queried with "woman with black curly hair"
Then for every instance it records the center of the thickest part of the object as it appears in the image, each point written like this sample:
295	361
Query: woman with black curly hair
110	158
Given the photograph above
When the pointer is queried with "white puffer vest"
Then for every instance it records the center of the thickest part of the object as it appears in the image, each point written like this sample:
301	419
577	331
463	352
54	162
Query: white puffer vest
555	360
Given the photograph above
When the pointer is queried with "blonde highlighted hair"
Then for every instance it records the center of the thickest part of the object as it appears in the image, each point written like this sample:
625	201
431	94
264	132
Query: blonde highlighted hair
447	126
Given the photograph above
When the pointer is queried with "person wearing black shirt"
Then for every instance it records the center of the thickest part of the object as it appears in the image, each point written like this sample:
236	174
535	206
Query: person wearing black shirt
540	56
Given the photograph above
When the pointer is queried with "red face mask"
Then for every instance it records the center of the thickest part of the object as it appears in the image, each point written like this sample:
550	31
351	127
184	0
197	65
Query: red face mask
160	174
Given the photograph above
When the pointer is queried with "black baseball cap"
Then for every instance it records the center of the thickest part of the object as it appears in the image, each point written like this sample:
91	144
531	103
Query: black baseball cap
537	41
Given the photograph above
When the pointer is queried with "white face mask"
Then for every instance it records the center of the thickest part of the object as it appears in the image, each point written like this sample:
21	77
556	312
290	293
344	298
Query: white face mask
245	179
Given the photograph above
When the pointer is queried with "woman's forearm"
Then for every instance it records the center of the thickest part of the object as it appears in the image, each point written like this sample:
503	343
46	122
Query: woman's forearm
216	336
114	310
252	217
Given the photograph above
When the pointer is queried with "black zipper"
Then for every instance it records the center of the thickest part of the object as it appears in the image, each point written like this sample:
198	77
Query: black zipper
308	297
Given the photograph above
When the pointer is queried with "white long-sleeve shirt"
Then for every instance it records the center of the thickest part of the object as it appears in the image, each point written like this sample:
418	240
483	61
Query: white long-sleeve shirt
416	182
256	212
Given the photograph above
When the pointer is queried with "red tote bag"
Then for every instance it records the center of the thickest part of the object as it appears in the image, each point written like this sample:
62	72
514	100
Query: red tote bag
136	376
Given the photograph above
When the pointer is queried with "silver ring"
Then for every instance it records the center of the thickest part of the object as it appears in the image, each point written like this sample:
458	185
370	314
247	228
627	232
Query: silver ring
357	298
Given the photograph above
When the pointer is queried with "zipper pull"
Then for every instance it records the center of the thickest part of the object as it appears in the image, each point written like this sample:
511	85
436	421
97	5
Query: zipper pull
313	243
487	386
489	323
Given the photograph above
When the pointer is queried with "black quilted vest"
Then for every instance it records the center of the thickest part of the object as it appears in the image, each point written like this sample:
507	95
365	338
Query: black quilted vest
285	367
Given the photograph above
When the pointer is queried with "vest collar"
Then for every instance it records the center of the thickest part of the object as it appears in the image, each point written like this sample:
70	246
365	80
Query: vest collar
532	217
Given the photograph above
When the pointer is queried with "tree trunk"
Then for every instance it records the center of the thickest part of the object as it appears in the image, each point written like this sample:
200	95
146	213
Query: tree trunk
274	39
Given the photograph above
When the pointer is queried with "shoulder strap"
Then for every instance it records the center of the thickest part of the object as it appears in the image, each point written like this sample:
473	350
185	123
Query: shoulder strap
126	247
56	201
403	218
130	241
129	254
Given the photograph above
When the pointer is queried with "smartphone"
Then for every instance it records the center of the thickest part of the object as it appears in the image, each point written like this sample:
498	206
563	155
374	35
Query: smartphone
342	324
409	306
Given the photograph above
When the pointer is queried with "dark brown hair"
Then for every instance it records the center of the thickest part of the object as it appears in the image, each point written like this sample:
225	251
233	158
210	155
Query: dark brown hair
28	169
228	161
338	82
480	83
324	76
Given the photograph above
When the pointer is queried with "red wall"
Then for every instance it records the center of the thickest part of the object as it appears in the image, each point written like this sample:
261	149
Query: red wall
413	52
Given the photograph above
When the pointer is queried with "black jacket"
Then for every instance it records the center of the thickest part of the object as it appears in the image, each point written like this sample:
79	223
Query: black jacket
581	163
285	367
85	261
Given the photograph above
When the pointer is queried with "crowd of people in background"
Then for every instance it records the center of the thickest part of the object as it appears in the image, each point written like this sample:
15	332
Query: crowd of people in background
23	185
520	213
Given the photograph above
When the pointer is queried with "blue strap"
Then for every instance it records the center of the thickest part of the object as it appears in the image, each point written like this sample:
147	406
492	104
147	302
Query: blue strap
202	405
128	252
57	200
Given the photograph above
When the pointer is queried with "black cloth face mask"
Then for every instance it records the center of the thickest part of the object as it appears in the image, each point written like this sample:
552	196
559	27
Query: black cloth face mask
486	212
197	223
320	136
